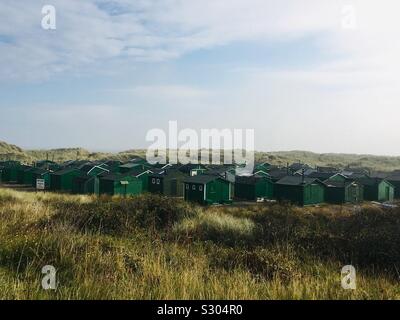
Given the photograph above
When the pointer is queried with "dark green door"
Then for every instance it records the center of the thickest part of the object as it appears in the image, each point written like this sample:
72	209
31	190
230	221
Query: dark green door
174	187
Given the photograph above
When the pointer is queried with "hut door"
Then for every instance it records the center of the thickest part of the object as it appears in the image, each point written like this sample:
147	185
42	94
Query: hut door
174	187
353	194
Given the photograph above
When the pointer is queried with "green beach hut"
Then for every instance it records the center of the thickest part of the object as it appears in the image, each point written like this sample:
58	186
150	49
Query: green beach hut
85	184
394	179
207	189
62	180
24	175
300	190
377	189
257	186
340	190
142	175
168	182
10	171
88	181
39	173
119	184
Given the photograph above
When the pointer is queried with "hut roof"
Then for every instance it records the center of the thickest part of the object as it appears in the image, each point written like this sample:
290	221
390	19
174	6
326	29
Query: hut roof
202	179
297	181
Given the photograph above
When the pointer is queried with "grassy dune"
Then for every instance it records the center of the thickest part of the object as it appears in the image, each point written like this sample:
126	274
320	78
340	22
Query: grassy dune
281	158
338	160
151	247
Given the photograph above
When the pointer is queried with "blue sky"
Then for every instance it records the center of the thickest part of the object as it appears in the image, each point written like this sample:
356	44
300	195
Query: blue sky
294	72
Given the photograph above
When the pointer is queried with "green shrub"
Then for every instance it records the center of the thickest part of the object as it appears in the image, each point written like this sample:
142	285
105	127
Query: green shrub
260	262
369	238
119	216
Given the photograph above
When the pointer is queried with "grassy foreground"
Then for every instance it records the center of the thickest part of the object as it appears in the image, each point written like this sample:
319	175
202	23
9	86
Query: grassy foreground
151	247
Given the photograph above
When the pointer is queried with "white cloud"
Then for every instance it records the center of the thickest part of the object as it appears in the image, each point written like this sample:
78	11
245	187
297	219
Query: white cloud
154	30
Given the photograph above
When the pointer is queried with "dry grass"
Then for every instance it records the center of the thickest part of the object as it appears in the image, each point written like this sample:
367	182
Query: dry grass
151	247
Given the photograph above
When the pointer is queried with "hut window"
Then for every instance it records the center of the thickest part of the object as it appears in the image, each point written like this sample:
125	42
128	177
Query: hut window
194	187
158	181
153	181
187	187
200	188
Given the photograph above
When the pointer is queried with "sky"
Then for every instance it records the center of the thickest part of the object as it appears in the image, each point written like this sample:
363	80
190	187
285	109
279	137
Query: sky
315	75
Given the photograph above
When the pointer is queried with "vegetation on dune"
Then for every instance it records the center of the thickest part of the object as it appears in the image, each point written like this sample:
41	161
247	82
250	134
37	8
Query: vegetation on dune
151	247
10	151
65	154
280	158
337	160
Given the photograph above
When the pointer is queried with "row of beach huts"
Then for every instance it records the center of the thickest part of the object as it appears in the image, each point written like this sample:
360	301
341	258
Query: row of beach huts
297	183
